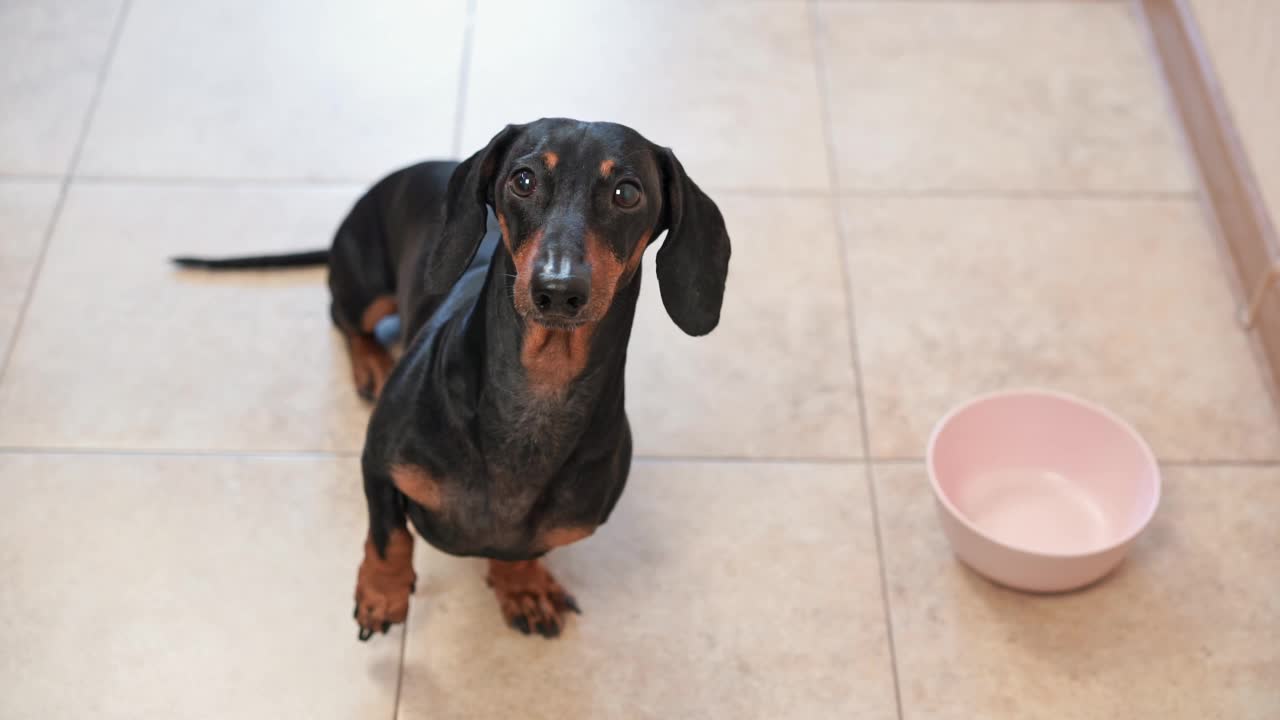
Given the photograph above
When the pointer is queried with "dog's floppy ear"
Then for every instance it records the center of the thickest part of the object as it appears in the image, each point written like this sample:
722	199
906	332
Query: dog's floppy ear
470	191
694	259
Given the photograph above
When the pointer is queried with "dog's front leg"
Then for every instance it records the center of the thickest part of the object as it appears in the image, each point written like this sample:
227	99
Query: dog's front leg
386	578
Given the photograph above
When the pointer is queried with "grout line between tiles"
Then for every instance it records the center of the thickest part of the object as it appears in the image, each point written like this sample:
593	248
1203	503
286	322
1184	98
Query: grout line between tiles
181	452
824	97
851	193
321	454
745	459
1185	463
464	78
1018	194
1218	463
30	178
970	2
653	459
107	59
404	643
223	182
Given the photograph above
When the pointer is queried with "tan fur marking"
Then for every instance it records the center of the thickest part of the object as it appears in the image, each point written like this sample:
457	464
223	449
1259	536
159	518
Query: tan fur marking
551	358
554	358
419	485
382	306
370	364
550	159
523	259
559	537
633	262
607	273
506	233
606	167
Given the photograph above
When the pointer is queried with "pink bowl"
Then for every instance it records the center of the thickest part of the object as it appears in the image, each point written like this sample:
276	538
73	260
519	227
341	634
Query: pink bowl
1041	491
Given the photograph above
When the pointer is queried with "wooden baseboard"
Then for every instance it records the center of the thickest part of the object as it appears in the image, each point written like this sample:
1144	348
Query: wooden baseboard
1242	222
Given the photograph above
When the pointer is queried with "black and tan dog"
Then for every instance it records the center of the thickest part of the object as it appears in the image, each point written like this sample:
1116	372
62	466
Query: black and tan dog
501	432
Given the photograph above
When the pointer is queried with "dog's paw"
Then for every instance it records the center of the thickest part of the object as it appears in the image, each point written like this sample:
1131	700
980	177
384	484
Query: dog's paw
530	598
370	366
377	609
384	586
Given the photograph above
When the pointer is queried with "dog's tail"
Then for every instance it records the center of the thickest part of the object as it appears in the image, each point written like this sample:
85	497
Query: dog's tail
287	260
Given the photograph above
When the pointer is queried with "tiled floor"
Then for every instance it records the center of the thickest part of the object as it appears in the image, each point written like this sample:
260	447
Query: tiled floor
927	200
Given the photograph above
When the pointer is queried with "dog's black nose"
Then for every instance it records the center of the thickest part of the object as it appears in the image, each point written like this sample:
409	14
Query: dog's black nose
560	294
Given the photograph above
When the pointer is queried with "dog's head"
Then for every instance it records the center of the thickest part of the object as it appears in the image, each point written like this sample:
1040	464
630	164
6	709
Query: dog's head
577	203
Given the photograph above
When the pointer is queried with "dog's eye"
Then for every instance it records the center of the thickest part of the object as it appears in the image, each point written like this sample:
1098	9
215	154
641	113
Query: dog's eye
523	182
627	194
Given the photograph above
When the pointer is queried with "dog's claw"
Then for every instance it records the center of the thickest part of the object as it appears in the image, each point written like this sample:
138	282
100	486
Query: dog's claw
521	623
572	604
365	634
386	627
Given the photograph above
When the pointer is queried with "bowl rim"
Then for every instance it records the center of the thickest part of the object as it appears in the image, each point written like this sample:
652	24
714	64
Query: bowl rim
1107	414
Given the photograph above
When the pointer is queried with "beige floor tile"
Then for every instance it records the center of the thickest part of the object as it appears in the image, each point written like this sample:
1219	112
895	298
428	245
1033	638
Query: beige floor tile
121	350
146	587
52	54
26	209
1010	96
1188	627
1123	302
776	378
278	89
730	85
715	591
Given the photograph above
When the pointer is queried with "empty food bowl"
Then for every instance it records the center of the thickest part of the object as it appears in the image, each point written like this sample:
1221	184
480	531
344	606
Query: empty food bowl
1041	491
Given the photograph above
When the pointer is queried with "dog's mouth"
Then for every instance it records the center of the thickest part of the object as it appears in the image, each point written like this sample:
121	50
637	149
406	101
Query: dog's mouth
553	323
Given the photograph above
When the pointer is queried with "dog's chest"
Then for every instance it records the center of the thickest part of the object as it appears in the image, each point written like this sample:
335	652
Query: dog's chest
501	510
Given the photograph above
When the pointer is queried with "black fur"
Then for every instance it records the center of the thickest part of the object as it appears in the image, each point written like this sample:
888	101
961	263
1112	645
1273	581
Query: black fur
693	261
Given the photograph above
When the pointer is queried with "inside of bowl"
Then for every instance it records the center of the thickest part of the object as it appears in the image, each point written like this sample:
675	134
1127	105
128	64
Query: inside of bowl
1045	473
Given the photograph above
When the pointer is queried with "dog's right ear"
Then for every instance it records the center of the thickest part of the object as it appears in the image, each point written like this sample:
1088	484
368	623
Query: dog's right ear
470	192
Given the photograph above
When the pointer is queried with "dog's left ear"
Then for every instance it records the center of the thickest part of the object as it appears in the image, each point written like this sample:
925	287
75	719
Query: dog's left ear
466	204
693	262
